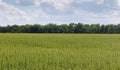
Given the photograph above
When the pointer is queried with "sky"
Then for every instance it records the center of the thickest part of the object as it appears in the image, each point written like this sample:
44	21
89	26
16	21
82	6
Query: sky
23	12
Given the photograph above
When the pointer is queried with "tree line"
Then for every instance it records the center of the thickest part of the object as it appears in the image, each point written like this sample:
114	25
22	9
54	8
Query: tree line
63	28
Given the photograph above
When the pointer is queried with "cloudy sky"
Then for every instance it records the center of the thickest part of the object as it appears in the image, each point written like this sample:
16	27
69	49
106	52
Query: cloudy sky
59	11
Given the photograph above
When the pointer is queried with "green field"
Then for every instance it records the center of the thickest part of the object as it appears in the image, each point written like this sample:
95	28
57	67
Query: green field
59	52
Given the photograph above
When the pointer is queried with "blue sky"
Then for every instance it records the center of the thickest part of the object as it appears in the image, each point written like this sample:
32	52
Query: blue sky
59	11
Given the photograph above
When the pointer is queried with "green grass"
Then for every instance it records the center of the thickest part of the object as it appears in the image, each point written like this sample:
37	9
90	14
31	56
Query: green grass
59	52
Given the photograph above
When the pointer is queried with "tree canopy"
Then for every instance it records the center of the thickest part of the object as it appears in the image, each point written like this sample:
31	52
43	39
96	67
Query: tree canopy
63	28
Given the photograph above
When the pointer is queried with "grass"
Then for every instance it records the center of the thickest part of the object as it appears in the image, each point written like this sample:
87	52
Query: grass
59	52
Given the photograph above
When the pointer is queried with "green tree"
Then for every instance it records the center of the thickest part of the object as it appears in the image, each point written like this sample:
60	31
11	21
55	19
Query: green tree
78	28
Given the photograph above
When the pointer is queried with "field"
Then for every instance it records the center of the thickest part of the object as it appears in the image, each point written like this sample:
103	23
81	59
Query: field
59	51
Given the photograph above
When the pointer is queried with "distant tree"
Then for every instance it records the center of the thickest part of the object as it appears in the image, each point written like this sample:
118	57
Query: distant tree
64	28
35	28
15	29
78	28
86	28
51	28
111	28
3	29
94	28
102	29
118	28
72	27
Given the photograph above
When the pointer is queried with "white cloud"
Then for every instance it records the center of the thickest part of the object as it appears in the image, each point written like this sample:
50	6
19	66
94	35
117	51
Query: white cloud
118	2
107	17
81	1
99	1
37	14
11	13
28	2
58	4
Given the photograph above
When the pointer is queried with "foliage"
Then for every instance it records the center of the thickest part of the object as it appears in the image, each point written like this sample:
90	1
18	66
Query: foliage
63	28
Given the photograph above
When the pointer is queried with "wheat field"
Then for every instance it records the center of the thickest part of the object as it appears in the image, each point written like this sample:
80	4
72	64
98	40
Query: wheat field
59	51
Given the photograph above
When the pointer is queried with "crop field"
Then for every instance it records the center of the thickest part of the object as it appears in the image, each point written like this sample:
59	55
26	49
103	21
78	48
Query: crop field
59	51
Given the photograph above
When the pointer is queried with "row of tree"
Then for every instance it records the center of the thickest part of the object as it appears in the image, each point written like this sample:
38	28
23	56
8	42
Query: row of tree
63	28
